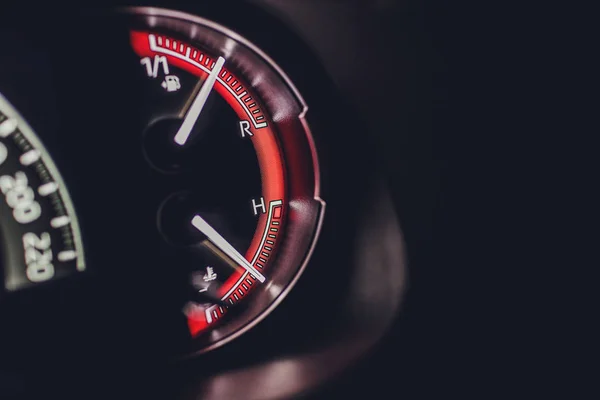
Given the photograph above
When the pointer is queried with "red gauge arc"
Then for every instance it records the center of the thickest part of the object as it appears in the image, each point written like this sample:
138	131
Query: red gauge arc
256	124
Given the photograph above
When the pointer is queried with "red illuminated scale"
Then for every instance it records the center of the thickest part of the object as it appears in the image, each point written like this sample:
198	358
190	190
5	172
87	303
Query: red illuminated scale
248	107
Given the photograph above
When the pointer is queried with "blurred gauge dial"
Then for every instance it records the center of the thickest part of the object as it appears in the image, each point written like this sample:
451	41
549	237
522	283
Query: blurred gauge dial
39	231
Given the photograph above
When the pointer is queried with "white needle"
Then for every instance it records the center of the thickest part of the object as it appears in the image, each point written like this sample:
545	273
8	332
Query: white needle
196	108
225	247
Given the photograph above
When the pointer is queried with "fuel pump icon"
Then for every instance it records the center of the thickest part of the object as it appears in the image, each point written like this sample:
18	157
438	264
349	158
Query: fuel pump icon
171	83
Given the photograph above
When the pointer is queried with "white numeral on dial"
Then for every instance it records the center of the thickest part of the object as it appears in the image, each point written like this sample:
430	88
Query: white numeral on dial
20	197
152	68
38	257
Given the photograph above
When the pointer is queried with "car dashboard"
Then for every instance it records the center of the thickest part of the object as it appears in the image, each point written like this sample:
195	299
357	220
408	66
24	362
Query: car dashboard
209	200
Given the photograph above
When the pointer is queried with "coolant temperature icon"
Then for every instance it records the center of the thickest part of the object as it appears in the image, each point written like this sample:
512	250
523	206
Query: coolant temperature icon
210	275
171	83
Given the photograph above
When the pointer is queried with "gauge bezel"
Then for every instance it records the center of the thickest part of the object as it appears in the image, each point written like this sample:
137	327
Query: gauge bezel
305	205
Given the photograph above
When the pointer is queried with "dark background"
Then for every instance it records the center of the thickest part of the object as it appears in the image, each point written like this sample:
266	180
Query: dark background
412	117
409	117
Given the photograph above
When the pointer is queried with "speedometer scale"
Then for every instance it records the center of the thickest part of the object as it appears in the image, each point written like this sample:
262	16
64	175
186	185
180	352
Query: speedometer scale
38	225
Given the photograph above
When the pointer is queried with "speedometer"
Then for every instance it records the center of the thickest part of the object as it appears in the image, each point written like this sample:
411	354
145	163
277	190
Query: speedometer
39	230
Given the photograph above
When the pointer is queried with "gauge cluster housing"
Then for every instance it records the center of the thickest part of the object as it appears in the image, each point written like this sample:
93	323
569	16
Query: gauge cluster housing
351	291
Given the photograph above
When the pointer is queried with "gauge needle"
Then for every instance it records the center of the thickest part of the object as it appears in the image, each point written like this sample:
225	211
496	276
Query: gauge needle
196	108
218	240
215	250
